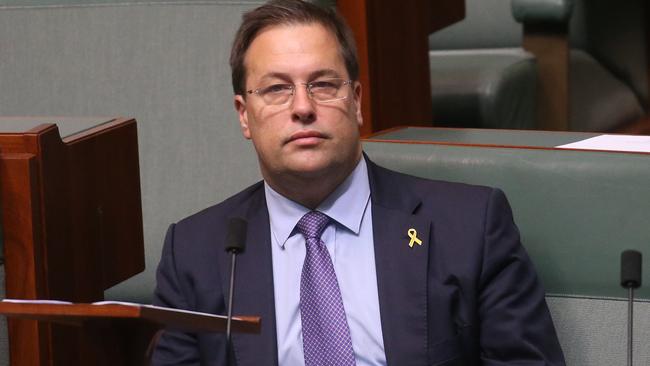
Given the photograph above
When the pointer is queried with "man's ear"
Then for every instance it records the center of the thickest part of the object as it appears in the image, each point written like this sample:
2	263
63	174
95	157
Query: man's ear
357	102
240	106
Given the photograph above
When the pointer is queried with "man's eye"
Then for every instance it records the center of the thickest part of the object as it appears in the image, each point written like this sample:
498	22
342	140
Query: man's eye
324	84
277	89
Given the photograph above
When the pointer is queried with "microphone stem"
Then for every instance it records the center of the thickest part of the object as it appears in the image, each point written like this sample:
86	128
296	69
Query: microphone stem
630	319
230	300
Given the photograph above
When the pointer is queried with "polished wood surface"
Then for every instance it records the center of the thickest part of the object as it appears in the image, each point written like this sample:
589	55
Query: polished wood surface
72	225
355	14
646	102
121	334
392	43
78	314
23	252
471	137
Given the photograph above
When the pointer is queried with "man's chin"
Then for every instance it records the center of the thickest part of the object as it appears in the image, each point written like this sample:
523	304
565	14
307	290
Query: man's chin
312	166
310	170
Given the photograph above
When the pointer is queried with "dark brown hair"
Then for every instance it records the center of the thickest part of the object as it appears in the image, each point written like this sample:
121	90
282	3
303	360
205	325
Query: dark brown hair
288	12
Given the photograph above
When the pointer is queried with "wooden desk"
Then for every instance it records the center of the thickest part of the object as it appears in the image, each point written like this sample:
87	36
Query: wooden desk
119	333
71	221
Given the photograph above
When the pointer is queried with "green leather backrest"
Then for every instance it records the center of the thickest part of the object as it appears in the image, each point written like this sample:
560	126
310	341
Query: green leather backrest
576	210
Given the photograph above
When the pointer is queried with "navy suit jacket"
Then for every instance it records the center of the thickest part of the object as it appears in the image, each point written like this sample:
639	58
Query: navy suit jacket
468	295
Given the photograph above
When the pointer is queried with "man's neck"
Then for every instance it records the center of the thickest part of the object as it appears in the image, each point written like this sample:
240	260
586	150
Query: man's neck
309	191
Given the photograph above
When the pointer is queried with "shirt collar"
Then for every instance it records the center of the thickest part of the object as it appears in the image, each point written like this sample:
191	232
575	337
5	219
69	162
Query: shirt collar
346	205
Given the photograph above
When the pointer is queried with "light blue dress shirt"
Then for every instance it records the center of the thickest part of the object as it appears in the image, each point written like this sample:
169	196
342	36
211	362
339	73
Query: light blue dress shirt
349	241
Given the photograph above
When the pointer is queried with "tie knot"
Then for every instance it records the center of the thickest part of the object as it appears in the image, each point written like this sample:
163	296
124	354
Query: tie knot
312	224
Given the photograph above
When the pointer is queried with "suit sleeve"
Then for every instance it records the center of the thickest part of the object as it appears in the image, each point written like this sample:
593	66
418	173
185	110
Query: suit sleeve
172	348
516	326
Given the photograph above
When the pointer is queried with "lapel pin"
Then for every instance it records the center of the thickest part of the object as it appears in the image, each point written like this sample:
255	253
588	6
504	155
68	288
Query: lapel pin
414	237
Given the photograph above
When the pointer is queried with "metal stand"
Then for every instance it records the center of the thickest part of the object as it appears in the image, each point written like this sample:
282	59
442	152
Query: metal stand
230	300
630	318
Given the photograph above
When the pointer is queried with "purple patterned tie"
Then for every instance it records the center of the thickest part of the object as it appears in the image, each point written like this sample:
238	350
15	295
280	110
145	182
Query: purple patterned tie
325	332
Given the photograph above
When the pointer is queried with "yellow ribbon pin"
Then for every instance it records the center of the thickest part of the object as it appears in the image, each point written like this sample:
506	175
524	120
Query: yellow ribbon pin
414	238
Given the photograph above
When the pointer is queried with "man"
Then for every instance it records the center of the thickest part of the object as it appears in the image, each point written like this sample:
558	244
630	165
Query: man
347	263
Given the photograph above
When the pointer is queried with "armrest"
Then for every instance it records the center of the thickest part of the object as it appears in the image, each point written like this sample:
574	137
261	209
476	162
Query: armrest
487	88
542	11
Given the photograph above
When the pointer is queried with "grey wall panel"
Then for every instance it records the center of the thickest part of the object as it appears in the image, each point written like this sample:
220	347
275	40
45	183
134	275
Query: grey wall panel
594	332
68	3
167	66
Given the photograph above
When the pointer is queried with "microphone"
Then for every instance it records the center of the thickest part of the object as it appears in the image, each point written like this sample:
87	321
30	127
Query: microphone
235	244
631	269
630	279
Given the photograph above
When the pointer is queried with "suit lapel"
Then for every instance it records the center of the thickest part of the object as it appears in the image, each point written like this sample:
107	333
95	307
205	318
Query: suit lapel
254	289
401	275
401	268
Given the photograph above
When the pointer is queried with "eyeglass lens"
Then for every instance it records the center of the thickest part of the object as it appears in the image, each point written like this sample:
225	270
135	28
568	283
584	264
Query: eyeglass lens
325	90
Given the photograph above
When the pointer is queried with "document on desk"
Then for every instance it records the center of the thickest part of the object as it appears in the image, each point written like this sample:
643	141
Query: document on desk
630	143
29	301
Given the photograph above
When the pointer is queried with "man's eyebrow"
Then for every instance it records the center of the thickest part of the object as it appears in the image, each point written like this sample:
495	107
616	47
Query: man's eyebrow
324	72
276	75
313	75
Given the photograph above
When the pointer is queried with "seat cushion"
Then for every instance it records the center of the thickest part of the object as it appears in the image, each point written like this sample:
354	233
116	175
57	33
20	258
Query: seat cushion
598	100
486	88
615	34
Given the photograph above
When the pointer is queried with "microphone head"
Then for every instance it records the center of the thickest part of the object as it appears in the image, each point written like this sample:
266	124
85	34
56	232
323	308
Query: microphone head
236	238
631	269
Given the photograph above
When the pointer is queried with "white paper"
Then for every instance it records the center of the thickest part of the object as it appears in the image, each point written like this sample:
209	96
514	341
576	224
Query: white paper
23	301
116	303
632	143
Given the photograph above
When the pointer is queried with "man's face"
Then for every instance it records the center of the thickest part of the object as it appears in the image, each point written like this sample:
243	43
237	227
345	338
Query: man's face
302	138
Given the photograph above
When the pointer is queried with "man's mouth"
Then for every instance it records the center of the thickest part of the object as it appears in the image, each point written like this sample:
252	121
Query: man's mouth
306	137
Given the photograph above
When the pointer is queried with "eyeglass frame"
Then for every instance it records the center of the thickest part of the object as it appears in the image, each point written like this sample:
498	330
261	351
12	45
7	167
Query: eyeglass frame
308	87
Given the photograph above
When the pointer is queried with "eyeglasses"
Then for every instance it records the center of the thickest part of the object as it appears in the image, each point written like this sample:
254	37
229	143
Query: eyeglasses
321	91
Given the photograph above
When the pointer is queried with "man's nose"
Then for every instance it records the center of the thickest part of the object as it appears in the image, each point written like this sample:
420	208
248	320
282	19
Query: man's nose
302	106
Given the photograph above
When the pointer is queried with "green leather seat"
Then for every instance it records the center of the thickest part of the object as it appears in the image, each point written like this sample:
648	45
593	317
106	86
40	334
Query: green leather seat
493	88
608	78
473	84
576	211
480	76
